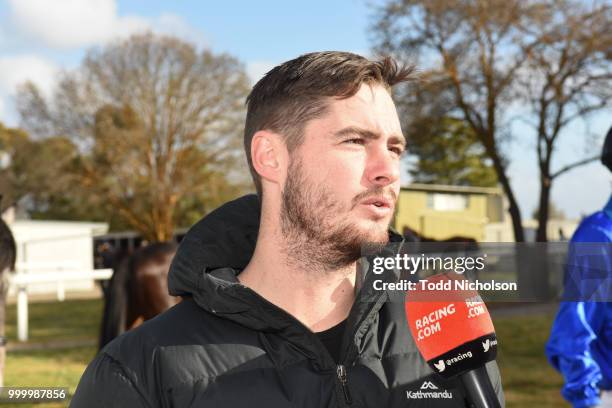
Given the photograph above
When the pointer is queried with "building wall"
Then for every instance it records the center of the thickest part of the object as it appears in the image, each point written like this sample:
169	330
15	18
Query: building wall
496	208
50	245
482	214
414	210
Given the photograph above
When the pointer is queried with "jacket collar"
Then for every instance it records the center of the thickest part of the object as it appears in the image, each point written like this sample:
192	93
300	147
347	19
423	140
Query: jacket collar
218	247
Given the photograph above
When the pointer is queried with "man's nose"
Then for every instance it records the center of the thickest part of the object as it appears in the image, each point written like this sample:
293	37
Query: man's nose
383	167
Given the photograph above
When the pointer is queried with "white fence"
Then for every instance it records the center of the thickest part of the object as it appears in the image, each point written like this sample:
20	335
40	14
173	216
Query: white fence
52	256
62	274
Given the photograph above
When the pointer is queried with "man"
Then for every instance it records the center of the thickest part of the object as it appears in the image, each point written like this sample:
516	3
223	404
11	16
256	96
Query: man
271	316
580	344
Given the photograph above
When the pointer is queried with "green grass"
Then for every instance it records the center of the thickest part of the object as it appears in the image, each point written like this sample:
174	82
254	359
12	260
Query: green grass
49	321
50	368
528	379
52	321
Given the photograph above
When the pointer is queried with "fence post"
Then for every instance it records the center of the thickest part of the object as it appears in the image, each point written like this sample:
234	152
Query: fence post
61	291
22	314
22	280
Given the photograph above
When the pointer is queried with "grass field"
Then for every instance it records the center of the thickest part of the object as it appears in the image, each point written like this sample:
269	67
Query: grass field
54	321
528	379
70	320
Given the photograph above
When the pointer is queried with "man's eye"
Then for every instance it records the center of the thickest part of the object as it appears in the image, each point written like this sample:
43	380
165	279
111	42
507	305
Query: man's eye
355	141
398	150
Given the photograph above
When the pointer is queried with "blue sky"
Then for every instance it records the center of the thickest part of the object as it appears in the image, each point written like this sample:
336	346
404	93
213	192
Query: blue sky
40	37
270	30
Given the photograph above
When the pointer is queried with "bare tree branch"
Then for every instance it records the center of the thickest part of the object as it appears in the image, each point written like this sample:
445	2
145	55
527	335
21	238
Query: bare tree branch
572	166
153	117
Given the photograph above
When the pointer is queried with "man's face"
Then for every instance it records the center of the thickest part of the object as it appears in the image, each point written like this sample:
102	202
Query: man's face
342	183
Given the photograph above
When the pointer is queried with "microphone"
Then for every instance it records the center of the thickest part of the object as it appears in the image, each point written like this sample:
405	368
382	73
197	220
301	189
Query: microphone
454	333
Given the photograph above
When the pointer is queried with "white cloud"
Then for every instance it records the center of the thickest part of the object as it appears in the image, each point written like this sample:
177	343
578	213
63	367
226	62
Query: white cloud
65	24
17	69
14	71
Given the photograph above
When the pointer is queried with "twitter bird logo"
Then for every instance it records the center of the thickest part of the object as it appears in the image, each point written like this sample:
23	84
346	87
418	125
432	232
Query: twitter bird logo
440	365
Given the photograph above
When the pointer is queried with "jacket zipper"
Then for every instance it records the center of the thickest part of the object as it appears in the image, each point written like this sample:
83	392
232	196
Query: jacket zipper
341	373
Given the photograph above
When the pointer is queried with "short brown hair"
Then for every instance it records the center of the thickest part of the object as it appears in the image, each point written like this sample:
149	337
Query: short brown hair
295	92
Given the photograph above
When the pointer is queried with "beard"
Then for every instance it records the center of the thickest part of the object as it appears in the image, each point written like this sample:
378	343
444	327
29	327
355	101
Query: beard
316	234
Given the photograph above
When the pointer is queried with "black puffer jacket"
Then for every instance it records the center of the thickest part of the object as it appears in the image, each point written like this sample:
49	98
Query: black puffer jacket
225	346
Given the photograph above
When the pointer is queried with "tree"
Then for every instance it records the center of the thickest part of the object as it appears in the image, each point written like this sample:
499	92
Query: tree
568	76
157	124
448	152
553	212
11	141
480	53
36	174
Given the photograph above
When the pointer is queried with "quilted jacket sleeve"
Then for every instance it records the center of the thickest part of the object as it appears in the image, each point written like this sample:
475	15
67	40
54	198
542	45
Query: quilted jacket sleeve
105	383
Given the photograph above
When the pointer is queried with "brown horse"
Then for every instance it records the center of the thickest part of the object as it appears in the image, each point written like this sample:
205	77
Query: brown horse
8	251
138	289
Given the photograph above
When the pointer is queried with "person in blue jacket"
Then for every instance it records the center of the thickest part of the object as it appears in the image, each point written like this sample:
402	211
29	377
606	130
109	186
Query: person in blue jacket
580	343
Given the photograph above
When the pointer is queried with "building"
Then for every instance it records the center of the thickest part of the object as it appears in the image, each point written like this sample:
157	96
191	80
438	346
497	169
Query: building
51	246
442	212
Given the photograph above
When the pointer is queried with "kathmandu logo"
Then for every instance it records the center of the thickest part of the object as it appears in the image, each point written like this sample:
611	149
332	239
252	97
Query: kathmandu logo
428	385
429	390
486	345
440	365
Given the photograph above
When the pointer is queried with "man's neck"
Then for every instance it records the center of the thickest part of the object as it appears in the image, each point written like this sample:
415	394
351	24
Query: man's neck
317	298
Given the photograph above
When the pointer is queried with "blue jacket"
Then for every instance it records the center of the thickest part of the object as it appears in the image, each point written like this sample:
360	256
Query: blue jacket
580	344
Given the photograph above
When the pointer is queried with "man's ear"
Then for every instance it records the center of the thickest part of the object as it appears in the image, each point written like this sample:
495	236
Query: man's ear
269	155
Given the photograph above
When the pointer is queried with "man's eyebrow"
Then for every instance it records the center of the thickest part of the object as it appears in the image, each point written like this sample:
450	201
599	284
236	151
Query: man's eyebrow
367	134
